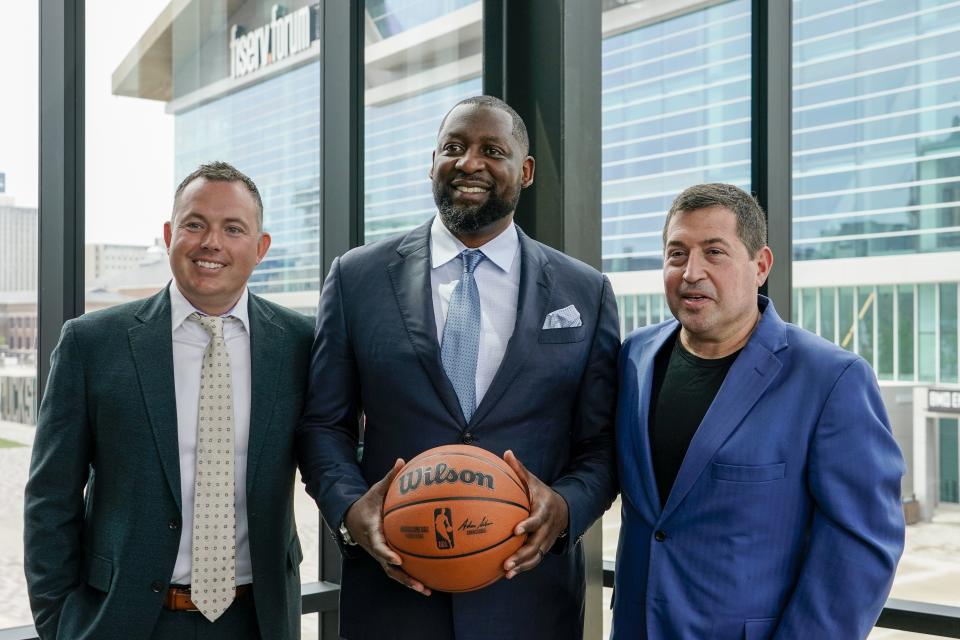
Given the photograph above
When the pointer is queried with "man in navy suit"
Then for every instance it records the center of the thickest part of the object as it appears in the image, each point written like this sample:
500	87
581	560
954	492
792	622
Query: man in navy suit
760	480
464	330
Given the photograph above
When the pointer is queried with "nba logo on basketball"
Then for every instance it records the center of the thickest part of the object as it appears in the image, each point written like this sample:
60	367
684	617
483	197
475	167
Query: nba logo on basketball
443	527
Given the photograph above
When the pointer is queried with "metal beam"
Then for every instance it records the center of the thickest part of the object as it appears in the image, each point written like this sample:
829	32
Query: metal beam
543	58
341	128
60	268
341	189
905	615
560	102
771	139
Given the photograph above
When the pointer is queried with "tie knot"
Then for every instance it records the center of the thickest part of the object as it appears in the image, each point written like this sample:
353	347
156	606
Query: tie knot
471	258
211	324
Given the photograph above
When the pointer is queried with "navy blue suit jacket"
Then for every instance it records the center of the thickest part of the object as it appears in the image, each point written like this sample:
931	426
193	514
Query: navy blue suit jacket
552	402
785	517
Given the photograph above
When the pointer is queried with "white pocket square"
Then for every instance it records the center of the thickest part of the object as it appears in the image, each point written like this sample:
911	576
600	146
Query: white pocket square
565	318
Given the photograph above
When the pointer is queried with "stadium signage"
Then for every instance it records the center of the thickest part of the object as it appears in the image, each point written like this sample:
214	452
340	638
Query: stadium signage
943	400
285	35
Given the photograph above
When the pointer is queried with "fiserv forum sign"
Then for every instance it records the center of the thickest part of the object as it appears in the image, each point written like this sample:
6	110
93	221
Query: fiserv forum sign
284	36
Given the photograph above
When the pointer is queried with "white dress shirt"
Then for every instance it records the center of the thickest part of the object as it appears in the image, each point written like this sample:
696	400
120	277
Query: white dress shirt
498	281
189	343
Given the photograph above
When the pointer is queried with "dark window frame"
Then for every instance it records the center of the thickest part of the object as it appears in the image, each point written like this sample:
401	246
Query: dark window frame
507	27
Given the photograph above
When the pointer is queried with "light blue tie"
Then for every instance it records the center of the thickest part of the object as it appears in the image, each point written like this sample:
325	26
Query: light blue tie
461	335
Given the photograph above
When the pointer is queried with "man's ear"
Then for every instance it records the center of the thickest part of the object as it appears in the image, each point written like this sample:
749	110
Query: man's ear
526	171
764	262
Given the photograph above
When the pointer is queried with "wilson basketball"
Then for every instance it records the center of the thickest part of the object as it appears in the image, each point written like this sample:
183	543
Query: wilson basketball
450	514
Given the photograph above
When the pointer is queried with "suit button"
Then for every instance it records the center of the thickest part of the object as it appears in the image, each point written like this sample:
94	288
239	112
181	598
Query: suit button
659	536
467	438
156	586
174	524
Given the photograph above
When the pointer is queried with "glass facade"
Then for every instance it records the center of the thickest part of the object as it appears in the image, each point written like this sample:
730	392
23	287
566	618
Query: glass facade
19	257
676	112
271	132
876	165
406	98
391	17
879	325
399	137
876	128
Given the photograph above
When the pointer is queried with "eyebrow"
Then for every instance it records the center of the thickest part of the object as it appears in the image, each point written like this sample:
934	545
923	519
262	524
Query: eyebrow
457	135
707	242
230	220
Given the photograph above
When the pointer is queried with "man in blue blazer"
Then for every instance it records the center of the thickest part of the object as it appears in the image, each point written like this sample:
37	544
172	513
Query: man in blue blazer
535	375
117	512
760	480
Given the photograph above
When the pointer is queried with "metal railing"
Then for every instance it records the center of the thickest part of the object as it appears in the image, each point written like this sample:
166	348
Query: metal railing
903	615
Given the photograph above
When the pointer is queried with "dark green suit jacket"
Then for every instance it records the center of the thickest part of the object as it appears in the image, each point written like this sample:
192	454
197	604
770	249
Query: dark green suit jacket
102	505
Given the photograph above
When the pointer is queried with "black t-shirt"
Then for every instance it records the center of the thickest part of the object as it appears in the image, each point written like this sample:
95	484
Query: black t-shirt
684	386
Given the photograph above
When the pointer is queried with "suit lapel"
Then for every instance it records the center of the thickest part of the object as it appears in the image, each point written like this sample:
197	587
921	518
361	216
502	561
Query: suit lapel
536	284
754	370
410	277
151	344
638	386
266	355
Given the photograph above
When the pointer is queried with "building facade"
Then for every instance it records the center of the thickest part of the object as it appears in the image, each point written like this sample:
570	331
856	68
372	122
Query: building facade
876	149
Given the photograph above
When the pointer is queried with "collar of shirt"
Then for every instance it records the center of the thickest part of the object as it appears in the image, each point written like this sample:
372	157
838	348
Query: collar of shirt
181	308
444	246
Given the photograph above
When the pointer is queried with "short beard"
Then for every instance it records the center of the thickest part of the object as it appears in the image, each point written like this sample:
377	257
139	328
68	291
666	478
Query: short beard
470	220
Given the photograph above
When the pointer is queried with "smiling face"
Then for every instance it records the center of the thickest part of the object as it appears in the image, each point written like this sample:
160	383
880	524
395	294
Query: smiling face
711	280
214	242
479	169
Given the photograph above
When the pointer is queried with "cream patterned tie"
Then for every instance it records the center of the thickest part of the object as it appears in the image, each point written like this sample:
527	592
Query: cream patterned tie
213	573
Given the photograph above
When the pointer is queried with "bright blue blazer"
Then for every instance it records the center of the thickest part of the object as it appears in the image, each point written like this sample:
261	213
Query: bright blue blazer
785	518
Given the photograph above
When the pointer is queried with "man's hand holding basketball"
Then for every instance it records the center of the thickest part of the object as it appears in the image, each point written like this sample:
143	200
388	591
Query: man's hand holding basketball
549	517
364	521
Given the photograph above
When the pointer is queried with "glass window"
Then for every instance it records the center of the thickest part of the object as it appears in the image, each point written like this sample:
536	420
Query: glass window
810	310
905	332
927	332
167	90
629	313
676	111
846	315
866	297
885	327
19	131
948	332
949	447
217	98
642	304
406	98
828	310
876	182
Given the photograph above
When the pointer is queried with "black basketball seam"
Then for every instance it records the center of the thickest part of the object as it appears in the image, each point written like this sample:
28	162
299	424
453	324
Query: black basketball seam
427	500
462	555
505	471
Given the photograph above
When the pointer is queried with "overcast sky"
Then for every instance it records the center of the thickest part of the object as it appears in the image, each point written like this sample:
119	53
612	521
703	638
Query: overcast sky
129	142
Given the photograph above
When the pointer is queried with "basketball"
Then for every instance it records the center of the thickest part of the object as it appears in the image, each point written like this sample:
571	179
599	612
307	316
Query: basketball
450	515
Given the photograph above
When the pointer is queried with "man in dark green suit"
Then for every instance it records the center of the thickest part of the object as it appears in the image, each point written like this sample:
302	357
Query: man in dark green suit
126	504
